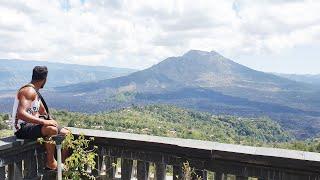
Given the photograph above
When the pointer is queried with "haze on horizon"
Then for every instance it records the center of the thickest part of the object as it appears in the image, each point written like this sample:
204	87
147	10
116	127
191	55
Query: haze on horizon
272	36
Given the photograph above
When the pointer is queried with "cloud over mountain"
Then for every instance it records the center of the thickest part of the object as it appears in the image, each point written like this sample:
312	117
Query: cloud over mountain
139	34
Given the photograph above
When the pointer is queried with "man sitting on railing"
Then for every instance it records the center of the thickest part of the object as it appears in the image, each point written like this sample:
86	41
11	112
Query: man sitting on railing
31	118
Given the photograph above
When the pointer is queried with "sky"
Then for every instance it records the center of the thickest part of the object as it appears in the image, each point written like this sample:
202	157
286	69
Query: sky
268	35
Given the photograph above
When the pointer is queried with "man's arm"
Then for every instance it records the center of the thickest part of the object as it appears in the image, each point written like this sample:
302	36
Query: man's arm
42	110
26	96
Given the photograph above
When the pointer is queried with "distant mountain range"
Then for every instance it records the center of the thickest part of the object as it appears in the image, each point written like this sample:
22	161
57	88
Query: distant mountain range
306	78
204	81
14	73
208	70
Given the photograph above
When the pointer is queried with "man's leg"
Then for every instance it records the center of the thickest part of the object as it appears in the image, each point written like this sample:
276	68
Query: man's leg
65	152
49	131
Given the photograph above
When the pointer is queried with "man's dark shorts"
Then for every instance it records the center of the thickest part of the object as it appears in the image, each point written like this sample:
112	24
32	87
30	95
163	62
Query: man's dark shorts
29	131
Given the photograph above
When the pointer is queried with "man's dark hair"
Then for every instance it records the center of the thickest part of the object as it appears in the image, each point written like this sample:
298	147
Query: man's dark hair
39	73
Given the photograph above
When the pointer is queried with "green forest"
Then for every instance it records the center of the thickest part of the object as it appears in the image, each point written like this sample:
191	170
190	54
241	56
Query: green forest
171	121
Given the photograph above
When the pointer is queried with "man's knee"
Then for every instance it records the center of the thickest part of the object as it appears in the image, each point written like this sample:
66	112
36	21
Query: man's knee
49	130
65	131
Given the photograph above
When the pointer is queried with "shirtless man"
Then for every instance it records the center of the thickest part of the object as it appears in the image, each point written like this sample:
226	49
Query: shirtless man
26	111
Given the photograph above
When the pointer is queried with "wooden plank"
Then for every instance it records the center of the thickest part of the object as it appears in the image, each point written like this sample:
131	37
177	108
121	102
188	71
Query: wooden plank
110	167
11	171
177	172
253	170
293	176
126	169
241	178
197	174
30	165
160	171
197	146
98	167
142	170
218	176
204	175
41	160
154	156
18	170
2	172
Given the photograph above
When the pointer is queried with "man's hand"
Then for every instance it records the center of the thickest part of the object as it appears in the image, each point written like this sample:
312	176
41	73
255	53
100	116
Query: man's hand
50	123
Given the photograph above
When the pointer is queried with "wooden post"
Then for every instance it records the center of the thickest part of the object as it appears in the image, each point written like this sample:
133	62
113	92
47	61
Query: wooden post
200	173
218	176
160	171
142	170
11	171
110	169
18	170
15	171
241	178
177	172
30	165
126	169
2	172
41	160
204	175
97	169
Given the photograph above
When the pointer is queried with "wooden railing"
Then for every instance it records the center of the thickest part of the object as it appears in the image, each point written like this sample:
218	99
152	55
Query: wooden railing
19	158
150	157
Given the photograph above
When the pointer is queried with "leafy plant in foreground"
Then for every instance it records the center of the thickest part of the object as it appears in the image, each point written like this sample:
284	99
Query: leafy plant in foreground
82	157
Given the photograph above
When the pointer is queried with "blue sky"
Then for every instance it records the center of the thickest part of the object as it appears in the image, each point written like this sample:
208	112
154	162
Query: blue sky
268	35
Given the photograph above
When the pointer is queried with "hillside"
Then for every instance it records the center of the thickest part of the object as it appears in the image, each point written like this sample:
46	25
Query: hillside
171	121
209	70
212	71
165	120
194	68
60	74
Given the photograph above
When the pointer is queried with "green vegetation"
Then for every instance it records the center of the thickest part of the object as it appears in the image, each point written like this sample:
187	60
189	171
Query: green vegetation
5	130
81	158
171	121
312	145
122	97
3	123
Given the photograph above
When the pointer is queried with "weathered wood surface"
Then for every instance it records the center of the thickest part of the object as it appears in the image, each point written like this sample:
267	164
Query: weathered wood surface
142	170
177	172
160	171
19	158
126	169
110	168
202	146
241	161
222	159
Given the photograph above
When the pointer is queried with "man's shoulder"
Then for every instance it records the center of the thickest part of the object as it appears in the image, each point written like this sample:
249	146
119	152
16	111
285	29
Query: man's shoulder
27	92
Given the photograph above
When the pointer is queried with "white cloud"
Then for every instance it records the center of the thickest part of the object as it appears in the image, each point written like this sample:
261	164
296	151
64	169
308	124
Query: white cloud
138	34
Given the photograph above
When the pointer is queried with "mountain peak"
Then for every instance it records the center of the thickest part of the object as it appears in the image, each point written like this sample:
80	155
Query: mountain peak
199	53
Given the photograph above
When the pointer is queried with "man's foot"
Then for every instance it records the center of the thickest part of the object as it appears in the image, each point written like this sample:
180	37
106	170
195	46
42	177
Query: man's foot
52	165
49	169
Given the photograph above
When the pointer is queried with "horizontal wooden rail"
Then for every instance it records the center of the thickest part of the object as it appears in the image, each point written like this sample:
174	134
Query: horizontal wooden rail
241	162
126	156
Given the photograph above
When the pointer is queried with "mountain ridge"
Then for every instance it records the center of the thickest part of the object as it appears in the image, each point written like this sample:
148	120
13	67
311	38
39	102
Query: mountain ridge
14	73
203	69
